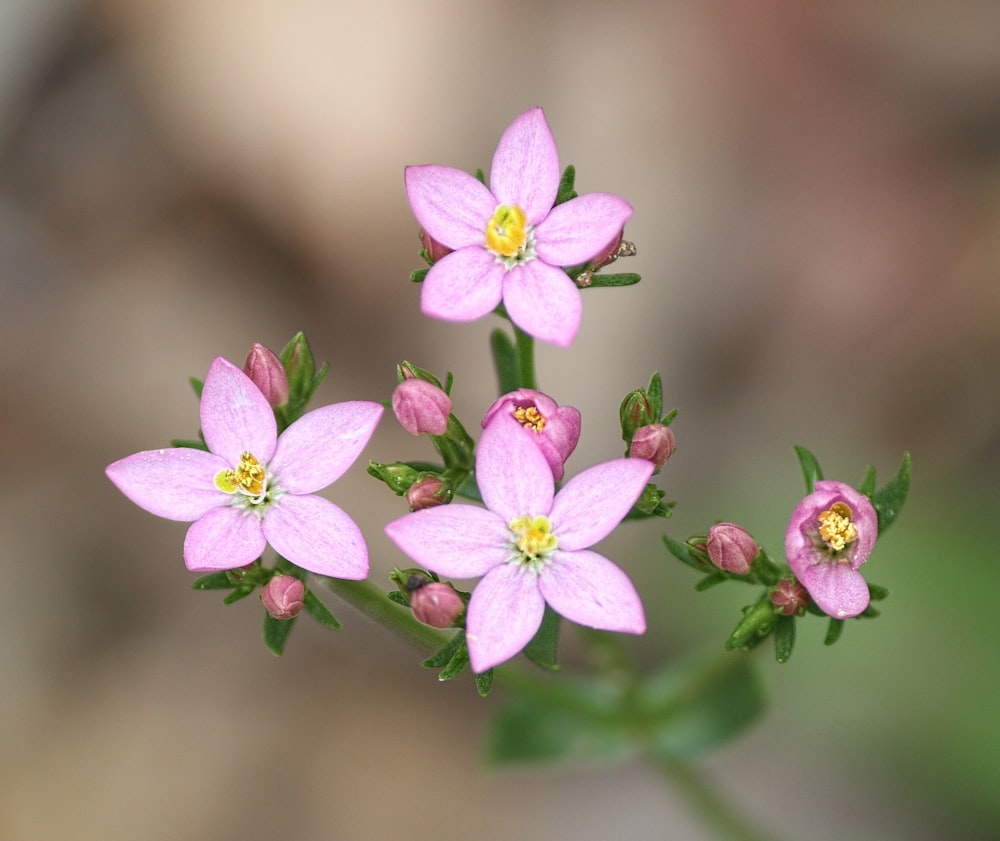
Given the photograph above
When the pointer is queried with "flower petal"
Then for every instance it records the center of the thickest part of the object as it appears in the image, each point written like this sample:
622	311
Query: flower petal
525	169
543	301
463	286
579	229
176	484
235	415
226	538
450	205
504	613
318	448
591	504
588	589
317	535
838	590
514	478
457	540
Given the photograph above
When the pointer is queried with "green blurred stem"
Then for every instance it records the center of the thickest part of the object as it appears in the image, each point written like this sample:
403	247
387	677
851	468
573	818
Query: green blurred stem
706	801
372	602
525	358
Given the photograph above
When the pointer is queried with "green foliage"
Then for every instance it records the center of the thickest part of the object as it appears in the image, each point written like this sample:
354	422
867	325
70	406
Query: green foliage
276	632
543	650
810	468
889	499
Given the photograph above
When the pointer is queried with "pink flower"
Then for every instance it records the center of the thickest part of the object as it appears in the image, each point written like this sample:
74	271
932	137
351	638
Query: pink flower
554	429
508	242
831	534
252	487
421	407
530	544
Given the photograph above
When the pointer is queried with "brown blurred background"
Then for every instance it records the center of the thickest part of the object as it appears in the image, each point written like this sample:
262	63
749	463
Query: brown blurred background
817	194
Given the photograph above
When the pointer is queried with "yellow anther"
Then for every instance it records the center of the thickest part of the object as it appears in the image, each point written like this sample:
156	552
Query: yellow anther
507	231
530	418
533	537
836	526
248	478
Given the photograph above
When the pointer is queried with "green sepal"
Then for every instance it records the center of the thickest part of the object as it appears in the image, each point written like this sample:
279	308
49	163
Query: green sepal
810	468
784	638
504	360
543	650
303	378
213	581
240	592
197	385
709	581
757	622
187	443
605	281
276	632
418	275
651	504
833	632
319	611
484	682
683	553
889	499
566	189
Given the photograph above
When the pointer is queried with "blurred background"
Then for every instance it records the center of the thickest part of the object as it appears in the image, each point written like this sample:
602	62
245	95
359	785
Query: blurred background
817	194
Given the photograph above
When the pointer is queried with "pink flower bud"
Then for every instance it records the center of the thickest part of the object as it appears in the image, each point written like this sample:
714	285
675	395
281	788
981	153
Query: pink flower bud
283	596
731	548
789	597
268	374
421	407
436	604
435	249
426	493
654	442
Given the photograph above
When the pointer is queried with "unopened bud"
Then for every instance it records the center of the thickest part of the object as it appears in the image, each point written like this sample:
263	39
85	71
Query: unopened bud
731	548
283	596
427	492
268	374
653	442
436	604
636	411
421	407
789	597
435	250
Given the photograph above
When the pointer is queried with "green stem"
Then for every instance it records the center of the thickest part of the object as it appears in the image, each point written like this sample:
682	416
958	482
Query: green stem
525	358
706	801
366	598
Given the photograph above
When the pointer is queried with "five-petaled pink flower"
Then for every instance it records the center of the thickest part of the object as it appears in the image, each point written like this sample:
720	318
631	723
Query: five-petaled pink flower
831	533
253	487
508	242
554	429
530	544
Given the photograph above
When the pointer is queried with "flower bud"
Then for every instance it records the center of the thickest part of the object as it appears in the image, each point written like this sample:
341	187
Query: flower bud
283	596
268	374
435	250
427	492
731	548
653	442
436	604
421	407
636	411
789	597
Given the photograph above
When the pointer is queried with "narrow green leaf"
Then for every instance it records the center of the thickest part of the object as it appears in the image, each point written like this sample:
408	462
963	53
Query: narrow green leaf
441	657
889	499
876	593
213	581
398	597
566	185
867	486
504	360
189	443
454	667
683	553
418	275
238	593
197	385
709	581
484	682
810	468
544	646
318	611
604	281
784	638
655	394
276	632
834	631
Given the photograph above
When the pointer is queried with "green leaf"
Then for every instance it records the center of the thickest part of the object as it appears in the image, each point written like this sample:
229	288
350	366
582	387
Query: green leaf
566	185
834	631
876	593
709	581
504	360
398	597
318	611
889	499
692	707
655	394
484	682
197	385
599	281
213	581
189	444
240	592
683	553
810	468
784	638
418	275
867	486
456	665
276	632
544	646
444	654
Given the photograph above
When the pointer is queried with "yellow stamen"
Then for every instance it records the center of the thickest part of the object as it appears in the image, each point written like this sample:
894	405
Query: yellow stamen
530	418
507	231
533	537
836	526
249	477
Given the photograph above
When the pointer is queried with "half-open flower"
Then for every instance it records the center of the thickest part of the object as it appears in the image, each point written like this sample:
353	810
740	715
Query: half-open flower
830	535
530	544
253	488
508	241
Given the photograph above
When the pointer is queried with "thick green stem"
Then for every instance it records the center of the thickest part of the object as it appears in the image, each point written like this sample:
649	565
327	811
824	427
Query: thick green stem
372	602
525	358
